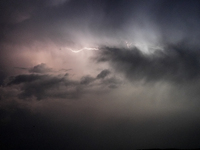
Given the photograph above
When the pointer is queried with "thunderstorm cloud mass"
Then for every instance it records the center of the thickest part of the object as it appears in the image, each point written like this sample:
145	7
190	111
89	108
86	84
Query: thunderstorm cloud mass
99	74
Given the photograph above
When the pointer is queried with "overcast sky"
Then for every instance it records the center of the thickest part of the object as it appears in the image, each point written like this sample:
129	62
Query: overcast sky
99	74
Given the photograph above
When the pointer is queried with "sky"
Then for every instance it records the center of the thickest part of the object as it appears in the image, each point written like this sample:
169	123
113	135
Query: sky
99	74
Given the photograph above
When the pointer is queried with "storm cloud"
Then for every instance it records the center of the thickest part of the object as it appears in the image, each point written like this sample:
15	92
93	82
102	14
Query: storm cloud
42	86
99	74
41	68
174	63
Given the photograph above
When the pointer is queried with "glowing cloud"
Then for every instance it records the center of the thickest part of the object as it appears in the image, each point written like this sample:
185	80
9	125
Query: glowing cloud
85	48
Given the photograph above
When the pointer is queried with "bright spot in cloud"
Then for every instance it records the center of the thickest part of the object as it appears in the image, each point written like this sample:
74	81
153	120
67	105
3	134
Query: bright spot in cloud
85	48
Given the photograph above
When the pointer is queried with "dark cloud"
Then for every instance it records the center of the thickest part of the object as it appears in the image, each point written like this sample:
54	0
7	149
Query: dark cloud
103	74
41	68
44	86
111	82
87	80
26	78
174	63
112	86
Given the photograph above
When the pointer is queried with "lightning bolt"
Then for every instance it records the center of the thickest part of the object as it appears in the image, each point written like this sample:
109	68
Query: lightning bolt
85	48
